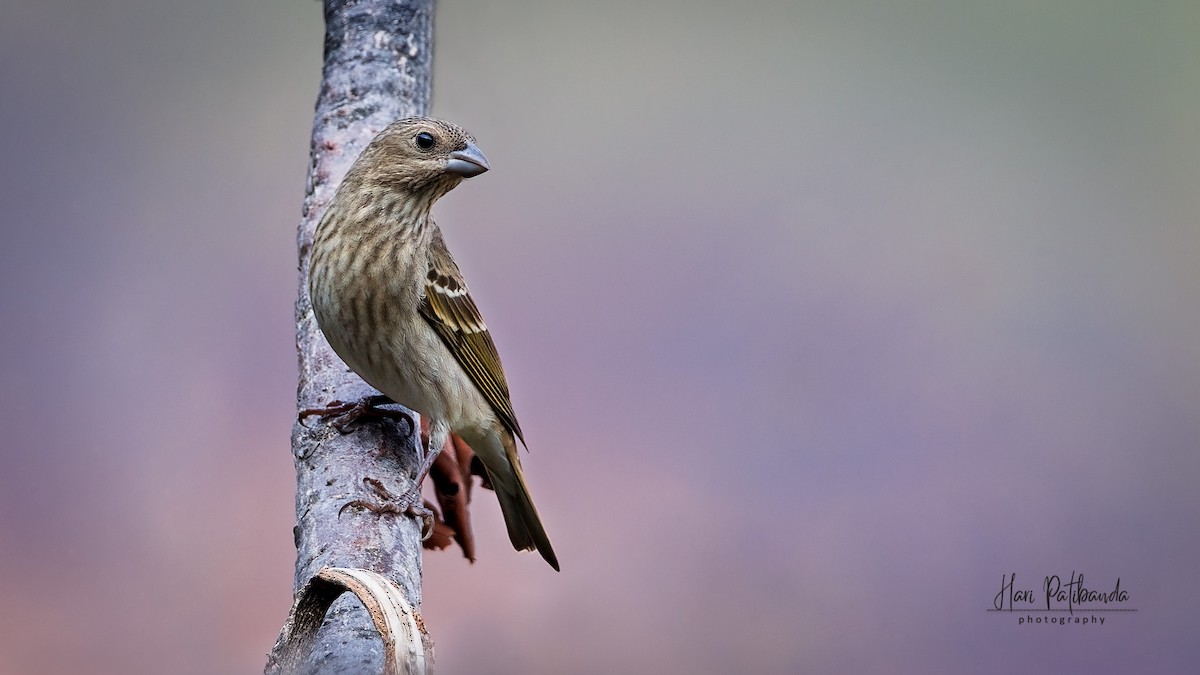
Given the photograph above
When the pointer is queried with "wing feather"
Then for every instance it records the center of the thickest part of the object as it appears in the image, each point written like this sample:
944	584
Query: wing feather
450	311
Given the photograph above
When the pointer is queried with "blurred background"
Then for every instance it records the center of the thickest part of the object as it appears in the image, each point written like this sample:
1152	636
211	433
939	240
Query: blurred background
820	318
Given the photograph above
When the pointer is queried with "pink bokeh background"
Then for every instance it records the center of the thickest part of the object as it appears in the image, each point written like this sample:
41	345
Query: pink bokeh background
820	318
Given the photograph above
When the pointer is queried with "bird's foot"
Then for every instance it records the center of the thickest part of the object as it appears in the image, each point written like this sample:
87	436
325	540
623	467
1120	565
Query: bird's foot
409	504
341	415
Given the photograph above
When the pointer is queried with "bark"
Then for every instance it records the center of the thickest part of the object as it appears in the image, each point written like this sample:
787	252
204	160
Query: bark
378	59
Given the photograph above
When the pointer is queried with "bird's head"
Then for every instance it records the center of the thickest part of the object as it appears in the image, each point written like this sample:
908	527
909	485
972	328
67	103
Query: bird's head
421	154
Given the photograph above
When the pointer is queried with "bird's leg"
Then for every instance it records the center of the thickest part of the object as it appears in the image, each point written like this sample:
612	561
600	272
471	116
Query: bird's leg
410	502
342	416
439	433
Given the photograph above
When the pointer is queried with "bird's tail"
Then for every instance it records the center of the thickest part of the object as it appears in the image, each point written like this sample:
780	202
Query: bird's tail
524	527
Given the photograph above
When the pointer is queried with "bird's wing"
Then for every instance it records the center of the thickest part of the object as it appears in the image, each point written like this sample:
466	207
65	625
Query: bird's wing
449	309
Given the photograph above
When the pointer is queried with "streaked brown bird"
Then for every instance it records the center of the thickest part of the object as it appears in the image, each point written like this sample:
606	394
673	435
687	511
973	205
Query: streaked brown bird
394	306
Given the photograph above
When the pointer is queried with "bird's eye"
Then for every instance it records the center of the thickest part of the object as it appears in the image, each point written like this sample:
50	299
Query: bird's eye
424	140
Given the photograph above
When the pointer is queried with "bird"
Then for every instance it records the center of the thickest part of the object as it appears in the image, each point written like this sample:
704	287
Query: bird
392	302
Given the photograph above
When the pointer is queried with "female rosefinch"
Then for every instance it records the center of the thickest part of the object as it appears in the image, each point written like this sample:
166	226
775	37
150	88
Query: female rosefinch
390	299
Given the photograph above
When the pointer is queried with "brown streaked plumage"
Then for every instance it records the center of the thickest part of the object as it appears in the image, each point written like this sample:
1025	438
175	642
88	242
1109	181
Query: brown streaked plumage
393	304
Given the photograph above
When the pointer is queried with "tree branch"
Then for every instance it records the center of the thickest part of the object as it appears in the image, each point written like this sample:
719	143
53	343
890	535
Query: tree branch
378	59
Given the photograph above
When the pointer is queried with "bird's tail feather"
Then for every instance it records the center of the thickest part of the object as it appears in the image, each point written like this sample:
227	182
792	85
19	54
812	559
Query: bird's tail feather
524	526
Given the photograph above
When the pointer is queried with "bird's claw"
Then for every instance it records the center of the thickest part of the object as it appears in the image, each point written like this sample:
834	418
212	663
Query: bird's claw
422	513
342	415
410	504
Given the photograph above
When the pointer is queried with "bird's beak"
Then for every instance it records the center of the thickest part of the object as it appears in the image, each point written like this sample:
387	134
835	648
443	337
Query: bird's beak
467	162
